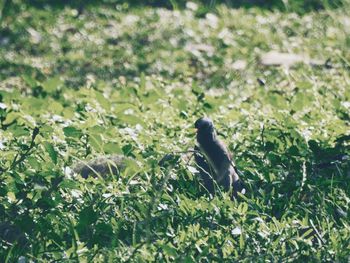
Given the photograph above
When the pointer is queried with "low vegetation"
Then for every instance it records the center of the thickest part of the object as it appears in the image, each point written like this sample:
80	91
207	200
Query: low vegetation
76	84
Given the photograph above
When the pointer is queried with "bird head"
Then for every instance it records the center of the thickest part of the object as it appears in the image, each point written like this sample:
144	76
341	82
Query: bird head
204	126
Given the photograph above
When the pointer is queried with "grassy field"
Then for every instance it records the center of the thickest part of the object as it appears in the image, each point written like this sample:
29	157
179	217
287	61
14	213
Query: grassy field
76	85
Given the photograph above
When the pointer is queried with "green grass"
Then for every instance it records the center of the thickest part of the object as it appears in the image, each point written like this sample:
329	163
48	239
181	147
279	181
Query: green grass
132	82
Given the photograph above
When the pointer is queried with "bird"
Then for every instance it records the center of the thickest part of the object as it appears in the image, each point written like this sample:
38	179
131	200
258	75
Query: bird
214	161
114	164
102	165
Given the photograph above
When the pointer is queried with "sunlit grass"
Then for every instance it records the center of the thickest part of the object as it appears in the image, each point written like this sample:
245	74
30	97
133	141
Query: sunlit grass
133	82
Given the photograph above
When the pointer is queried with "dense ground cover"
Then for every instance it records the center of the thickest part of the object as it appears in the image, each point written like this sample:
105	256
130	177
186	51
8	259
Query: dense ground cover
132	82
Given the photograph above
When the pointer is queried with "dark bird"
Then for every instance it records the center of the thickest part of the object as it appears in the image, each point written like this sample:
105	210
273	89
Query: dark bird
214	161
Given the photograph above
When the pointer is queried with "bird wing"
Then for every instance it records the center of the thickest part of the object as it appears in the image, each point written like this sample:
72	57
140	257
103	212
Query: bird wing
205	170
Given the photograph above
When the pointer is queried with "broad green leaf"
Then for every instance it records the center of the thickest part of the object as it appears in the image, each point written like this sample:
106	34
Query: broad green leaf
96	142
52	84
111	148
72	131
51	151
11	117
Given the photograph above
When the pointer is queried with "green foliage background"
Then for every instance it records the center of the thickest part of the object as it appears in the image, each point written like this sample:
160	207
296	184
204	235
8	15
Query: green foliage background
13	6
79	83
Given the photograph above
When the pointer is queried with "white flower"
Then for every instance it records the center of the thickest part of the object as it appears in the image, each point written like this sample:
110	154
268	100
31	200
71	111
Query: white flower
191	6
236	231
